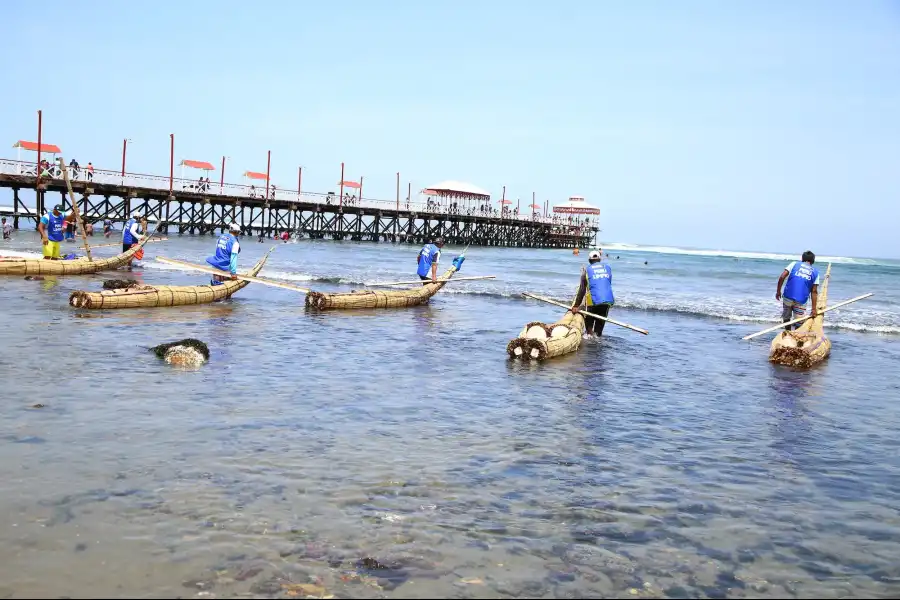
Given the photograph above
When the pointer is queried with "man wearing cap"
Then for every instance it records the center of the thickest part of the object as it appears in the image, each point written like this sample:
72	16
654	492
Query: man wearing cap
51	229
226	256
428	259
131	235
596	291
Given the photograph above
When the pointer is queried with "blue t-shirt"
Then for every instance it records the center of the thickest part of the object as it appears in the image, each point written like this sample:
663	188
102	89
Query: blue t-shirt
599	276
430	254
54	226
803	276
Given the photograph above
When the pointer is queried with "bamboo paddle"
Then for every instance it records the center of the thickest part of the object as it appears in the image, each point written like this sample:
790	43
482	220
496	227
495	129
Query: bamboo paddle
584	312
430	281
65	172
801	319
119	244
188	265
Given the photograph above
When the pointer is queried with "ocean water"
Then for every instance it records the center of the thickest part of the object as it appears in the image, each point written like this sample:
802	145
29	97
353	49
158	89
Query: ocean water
401	454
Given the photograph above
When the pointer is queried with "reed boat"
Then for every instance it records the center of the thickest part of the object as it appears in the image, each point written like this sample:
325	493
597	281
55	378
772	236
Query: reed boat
807	345
540	341
152	296
379	299
78	266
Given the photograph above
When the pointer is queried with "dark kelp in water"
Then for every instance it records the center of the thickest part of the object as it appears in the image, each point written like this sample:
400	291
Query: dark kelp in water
120	284
197	345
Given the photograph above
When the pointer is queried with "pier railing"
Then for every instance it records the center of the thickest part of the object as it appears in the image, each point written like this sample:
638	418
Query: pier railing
180	185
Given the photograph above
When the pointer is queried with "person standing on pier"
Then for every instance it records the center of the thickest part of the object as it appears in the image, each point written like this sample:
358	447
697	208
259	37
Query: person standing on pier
226	257
429	256
802	282
51	229
90	171
596	292
131	235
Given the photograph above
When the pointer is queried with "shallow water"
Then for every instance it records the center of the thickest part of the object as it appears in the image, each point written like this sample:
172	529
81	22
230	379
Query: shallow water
399	453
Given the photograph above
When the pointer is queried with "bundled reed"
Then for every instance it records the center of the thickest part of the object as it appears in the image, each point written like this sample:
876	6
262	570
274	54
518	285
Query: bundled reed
540	341
360	299
78	266
148	296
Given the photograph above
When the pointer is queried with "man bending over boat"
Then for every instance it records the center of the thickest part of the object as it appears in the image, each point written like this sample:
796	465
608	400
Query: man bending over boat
51	230
226	256
802	282
428	259
596	292
131	236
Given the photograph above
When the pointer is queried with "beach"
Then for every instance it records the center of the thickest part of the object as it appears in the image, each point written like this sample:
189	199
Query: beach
400	454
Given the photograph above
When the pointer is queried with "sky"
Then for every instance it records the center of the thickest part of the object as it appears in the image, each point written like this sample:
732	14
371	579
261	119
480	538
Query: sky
762	125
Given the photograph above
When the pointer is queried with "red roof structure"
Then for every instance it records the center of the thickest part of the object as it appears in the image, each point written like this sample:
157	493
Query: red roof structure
456	189
199	164
51	148
254	175
350	184
576	206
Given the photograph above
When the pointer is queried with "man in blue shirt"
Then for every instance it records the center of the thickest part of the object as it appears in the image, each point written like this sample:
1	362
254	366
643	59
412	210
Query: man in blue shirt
51	229
802	283
226	257
428	259
596	291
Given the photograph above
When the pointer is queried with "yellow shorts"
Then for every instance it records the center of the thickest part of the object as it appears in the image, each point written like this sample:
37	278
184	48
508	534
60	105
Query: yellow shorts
51	250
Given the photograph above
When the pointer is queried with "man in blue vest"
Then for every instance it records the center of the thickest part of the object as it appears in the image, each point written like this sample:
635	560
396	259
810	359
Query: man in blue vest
131	235
596	292
226	256
51	229
802	283
428	259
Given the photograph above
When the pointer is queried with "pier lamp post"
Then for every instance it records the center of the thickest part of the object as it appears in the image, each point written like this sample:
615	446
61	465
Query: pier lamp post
124	149
222	176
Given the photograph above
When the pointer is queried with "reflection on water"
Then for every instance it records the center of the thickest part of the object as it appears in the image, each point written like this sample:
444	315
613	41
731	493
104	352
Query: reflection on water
400	454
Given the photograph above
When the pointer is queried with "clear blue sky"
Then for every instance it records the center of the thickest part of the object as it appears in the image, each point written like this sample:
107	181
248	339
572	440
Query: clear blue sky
764	125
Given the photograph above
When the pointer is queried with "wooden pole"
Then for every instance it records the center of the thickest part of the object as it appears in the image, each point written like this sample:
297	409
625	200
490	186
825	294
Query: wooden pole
120	244
801	319
387	283
360	189
171	161
584	312
222	177
268	169
124	147
409	192
341	199
398	190
65	172
299	182
213	271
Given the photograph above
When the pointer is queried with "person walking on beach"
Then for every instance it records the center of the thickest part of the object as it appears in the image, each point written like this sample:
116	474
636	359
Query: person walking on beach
226	257
107	227
7	229
802	282
428	259
596	292
131	235
51	229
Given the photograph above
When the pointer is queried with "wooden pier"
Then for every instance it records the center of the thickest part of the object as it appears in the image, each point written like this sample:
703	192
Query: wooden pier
182	208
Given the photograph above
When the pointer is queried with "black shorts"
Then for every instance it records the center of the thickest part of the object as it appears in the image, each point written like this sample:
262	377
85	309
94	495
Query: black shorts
594	326
126	247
